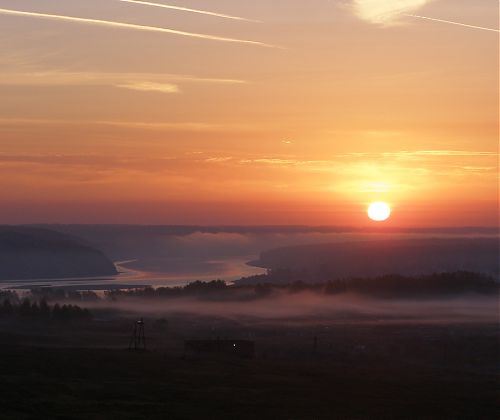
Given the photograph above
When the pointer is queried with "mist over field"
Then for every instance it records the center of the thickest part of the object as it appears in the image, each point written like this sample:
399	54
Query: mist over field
308	308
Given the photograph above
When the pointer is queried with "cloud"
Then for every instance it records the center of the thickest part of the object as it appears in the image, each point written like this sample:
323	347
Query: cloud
145	82
441	153
150	87
89	78
389	12
417	154
454	23
206	173
386	12
139	125
339	162
122	25
185	9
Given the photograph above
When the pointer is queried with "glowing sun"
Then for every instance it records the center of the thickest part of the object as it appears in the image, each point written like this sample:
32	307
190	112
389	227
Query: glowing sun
379	211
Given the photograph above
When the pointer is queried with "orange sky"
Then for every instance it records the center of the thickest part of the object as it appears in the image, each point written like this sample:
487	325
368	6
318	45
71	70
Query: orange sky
332	105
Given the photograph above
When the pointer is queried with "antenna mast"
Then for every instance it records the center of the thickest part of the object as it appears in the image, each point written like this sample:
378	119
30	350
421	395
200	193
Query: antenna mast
138	339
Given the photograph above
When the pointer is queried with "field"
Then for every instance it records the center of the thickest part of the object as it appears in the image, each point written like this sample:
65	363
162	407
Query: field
356	370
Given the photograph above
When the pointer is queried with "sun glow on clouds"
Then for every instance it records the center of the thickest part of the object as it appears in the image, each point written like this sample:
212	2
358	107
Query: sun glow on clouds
386	12
121	176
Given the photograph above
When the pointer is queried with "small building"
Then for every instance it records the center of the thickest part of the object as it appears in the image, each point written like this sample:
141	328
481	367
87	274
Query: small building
243	349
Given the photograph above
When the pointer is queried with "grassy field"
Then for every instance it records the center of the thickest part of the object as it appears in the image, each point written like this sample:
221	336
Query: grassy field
356	372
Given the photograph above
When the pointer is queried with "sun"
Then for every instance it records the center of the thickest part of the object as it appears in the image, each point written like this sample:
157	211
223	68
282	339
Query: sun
379	211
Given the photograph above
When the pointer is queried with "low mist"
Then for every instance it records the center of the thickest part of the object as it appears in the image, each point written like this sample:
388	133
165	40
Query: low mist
312	307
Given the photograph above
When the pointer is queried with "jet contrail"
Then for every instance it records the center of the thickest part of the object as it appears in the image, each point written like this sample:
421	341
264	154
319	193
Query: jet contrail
186	9
130	26
453	23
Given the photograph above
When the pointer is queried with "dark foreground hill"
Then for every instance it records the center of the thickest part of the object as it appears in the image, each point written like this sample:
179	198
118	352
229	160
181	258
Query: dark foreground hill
32	253
408	257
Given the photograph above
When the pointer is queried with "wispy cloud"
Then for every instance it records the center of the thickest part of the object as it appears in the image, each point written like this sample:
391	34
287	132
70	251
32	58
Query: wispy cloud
131	26
349	177
150	87
422	155
453	23
139	125
185	9
440	153
162	82
386	12
390	12
88	77
341	159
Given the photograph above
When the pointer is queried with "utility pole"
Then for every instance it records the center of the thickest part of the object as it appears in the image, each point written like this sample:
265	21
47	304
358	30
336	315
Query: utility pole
138	339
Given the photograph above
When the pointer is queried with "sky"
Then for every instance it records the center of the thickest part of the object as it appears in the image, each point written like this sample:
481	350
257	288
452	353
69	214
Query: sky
249	112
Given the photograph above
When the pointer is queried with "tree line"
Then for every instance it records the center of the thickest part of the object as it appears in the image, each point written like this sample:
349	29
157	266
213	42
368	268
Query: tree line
392	285
11	306
275	281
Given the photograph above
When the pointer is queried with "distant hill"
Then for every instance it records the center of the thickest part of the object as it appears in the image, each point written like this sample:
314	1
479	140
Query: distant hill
381	257
34	253
99	231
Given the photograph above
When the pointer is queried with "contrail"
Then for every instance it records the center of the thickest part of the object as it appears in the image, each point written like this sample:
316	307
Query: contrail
453	23
186	9
130	26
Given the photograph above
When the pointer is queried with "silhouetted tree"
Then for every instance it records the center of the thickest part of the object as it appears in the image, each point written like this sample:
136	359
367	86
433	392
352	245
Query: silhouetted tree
7	309
44	309
25	308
